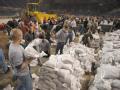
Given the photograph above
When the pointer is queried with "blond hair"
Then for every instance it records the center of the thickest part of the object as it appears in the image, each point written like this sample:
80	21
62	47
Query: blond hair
16	34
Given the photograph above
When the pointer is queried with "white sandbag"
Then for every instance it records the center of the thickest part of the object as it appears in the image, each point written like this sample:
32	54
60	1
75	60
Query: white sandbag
67	59
34	63
96	36
116	84
103	85
40	84
79	51
52	75
107	58
51	84
47	69
116	56
61	79
63	73
44	86
35	42
115	89
52	62
67	67
35	76
111	72
77	69
31	52
35	81
74	83
63	88
47	78
92	88
107	71
57	82
9	88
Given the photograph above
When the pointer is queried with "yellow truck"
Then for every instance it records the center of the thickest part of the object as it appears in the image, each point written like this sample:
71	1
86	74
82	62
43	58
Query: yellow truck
33	9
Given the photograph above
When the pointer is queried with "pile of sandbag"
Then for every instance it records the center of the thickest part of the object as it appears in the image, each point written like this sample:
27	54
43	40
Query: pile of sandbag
106	78
61	72
64	72
83	54
108	74
111	48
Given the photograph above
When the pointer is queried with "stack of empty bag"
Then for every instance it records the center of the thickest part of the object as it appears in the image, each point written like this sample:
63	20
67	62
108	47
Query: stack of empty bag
83	54
61	72
108	74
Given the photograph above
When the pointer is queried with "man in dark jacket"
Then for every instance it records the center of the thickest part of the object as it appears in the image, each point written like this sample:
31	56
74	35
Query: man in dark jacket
86	38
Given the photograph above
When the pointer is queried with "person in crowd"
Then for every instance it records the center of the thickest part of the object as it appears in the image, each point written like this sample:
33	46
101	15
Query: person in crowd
61	37
19	62
74	25
23	27
3	65
12	23
28	37
86	25
70	35
81	26
8	29
86	38
44	45
33	18
47	35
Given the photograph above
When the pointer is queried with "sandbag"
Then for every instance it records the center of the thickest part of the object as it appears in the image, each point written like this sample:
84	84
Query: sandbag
31	52
51	84
115	89
93	88
67	67
111	72
116	84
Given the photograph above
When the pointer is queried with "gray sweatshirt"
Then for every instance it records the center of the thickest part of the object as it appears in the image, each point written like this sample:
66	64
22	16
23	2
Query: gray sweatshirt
61	36
16	57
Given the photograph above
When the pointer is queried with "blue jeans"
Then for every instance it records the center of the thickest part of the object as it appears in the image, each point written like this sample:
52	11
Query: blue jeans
2	62
69	37
5	67
60	47
25	82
